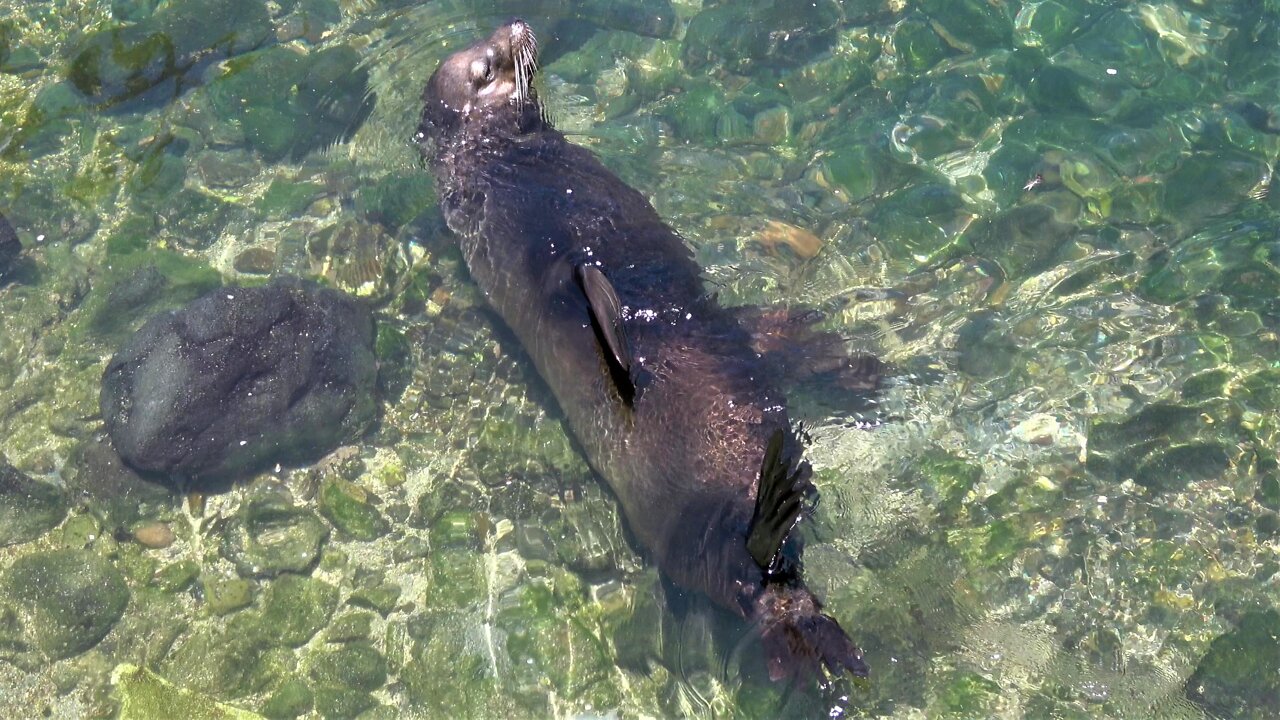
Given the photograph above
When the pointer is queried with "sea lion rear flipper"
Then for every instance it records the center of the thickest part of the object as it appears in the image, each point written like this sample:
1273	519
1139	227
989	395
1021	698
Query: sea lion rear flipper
778	501
606	320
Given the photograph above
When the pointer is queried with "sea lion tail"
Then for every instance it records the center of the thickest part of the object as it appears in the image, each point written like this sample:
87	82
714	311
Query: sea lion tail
799	639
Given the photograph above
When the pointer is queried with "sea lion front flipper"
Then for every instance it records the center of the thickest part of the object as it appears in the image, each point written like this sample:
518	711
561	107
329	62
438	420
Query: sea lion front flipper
606	320
777	511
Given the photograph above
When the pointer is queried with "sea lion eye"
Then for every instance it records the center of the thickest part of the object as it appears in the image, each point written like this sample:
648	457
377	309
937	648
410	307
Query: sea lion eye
481	69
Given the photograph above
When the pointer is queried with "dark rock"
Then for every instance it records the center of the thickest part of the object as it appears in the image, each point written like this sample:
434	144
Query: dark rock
28	508
71	598
9	246
240	379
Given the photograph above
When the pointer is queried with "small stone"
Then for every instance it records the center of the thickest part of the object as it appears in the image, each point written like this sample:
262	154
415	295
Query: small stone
223	663
347	506
355	665
28	508
1037	430
349	626
457	528
336	701
802	242
382	598
292	699
772	126
178	576
226	595
80	532
271	536
154	535
71	599
143	694
534	543
296	608
255	261
411	548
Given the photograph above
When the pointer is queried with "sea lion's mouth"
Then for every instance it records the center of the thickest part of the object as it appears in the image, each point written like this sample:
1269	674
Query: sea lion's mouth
524	55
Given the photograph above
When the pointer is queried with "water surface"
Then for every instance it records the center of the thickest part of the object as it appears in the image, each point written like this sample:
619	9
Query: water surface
1056	220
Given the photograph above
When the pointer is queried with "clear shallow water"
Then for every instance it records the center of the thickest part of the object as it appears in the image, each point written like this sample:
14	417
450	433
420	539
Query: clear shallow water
1056	220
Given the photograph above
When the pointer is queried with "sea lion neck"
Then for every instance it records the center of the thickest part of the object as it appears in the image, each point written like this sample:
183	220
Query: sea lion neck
483	94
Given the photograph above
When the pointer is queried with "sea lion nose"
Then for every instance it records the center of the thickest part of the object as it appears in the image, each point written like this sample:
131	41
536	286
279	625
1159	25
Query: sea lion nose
519	29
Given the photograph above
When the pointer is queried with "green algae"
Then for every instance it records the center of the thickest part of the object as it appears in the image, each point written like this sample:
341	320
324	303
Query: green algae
1237	676
177	576
349	626
381	597
356	665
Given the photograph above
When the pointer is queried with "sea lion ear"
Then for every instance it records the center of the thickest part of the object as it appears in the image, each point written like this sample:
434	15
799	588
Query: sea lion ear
778	500
606	320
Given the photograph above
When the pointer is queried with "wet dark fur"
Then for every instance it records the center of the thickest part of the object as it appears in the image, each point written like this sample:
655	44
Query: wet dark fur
683	456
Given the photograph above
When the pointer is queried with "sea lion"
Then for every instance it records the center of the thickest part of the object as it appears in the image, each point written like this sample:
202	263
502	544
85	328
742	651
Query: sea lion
661	386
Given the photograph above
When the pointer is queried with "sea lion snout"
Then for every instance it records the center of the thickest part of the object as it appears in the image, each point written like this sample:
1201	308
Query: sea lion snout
490	80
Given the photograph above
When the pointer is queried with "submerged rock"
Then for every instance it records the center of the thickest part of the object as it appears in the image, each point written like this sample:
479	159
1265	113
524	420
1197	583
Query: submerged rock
9	246
70	598
28	508
121	62
240	379
1238	675
291	103
742	33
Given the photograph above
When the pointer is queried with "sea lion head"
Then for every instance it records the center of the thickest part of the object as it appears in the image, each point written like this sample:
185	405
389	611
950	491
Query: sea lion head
488	87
